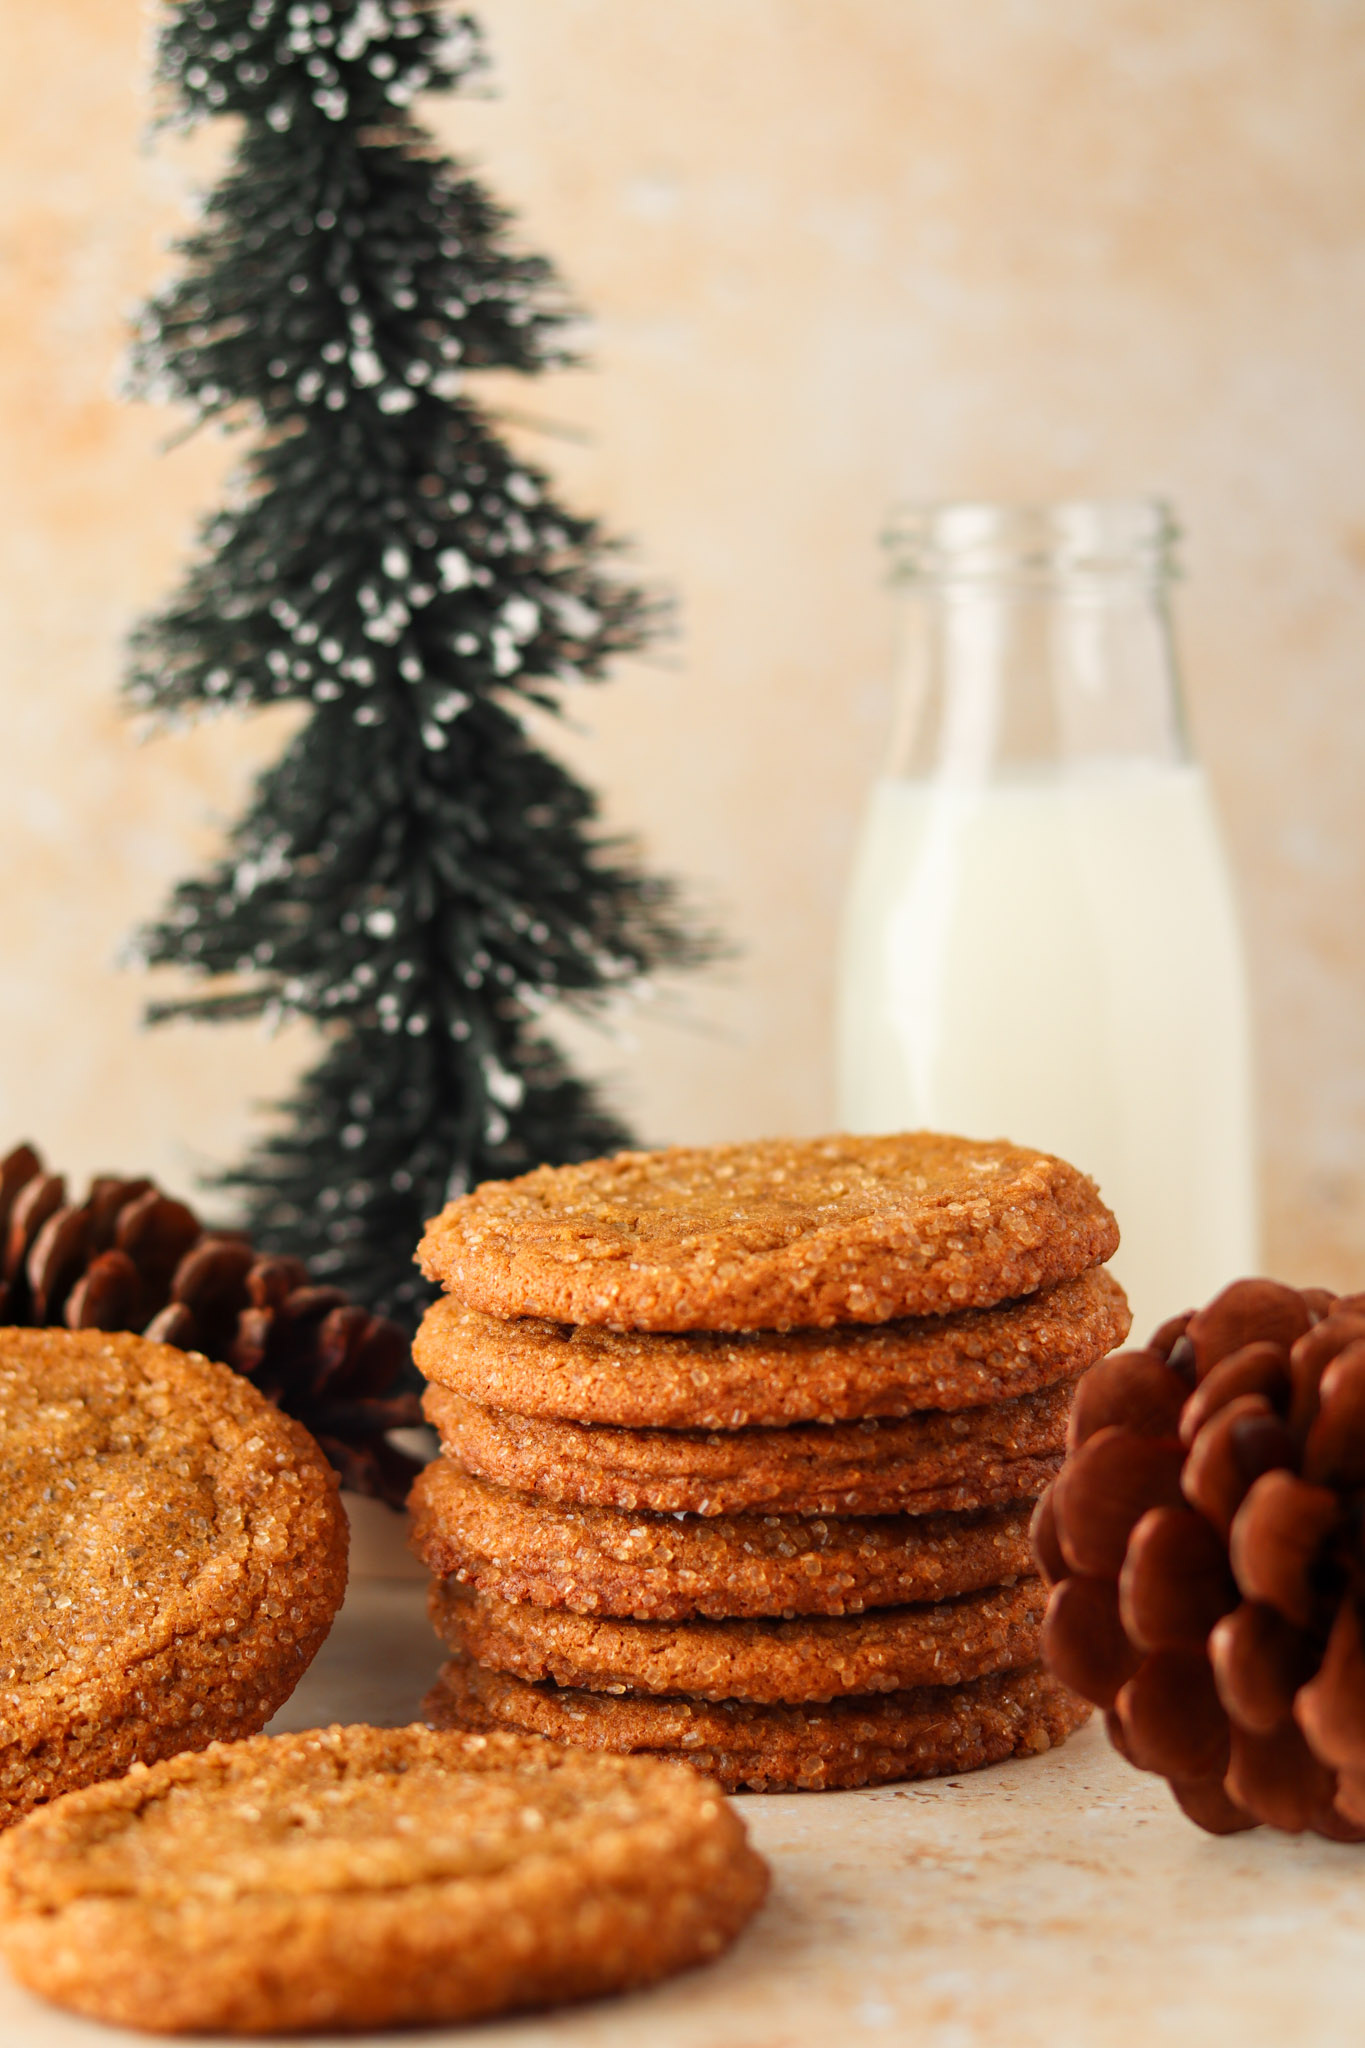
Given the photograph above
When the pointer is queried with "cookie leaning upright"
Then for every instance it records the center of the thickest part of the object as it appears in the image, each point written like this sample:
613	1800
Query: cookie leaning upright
173	1553
770	1235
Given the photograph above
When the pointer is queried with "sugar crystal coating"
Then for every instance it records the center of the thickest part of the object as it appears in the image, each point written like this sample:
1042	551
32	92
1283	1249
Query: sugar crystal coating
172	1553
927	1463
940	1642
739	1379
877	1739
366	1877
596	1560
772	1235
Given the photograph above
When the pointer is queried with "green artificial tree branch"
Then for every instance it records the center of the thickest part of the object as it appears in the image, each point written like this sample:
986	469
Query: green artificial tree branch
415	874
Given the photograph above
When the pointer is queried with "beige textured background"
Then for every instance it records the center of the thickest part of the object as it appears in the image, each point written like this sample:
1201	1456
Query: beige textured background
838	251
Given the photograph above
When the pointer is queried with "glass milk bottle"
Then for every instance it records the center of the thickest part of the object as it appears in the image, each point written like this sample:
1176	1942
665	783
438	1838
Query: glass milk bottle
1040	940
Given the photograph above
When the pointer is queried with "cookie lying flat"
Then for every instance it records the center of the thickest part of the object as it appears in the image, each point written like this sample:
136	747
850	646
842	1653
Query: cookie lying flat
172	1553
772	1235
366	1877
594	1560
942	1643
918	1464
736	1379
927	1733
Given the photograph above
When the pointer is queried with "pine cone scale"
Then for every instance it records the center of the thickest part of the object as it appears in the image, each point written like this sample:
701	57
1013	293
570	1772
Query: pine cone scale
1174	1584
40	1197
1256	1311
174	1324
1330	1707
108	1198
56	1259
1275	1543
1104	1491
1135	1388
1206	1803
106	1296
1334	1452
1235	1447
1310	1360
1260	1661
1256	1369
1350	1799
16	1170
1172	1718
1084	1640
156	1233
1046	1544
1277	1779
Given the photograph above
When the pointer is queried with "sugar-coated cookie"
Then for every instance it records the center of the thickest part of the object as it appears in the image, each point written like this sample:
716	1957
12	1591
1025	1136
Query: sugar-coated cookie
917	1464
874	1740
172	1553
595	1560
737	1379
824	1657
366	1877
773	1235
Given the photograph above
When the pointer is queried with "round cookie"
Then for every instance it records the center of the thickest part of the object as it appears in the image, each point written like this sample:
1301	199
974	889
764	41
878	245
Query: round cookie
174	1552
738	1379
918	1464
594	1560
356	1878
927	1733
771	1235
940	1643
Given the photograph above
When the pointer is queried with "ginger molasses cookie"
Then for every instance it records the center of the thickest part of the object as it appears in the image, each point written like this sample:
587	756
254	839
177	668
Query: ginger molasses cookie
594	1560
772	1235
918	1464
943	1642
368	1877
736	1379
173	1553
925	1733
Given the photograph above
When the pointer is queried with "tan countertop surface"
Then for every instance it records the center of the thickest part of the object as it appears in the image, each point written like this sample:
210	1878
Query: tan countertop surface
1061	1903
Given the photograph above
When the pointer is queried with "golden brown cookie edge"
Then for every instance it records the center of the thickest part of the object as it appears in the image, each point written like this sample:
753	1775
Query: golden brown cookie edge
740	1379
523	1548
895	1649
849	1743
919	1464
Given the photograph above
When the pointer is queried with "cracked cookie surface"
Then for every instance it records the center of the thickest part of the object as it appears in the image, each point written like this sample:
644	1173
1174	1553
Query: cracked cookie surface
172	1553
772	1235
367	1877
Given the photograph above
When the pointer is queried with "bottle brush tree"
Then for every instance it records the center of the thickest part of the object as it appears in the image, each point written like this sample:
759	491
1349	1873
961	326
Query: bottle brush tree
416	874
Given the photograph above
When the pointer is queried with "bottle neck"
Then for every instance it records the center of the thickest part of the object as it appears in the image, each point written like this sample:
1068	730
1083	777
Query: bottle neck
1033	639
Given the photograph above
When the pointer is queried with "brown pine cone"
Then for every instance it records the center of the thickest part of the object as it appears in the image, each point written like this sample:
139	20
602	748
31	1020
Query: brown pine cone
127	1257
1205	1543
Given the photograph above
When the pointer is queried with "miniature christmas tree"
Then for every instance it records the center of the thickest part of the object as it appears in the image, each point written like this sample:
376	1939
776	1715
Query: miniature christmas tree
416	874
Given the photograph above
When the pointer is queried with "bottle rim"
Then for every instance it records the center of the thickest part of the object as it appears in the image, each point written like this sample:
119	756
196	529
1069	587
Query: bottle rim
1071	539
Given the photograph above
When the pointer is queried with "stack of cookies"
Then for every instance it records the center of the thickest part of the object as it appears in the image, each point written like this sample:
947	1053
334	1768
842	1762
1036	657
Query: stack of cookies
740	1446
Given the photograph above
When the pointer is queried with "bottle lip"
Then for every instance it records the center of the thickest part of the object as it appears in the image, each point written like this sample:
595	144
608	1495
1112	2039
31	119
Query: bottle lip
1070	540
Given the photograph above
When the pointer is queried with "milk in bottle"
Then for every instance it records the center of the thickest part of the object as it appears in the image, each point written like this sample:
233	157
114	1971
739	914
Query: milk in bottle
1040	940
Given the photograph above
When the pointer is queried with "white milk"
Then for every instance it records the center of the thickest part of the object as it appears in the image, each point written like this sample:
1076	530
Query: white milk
1055	959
